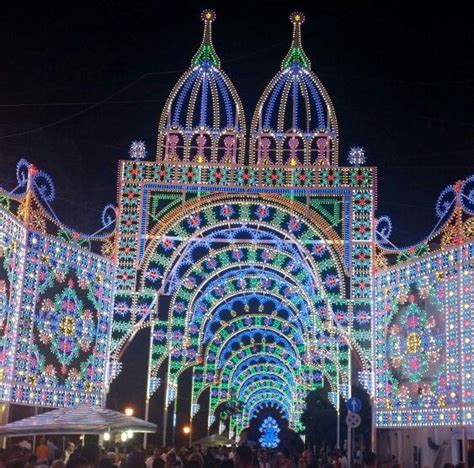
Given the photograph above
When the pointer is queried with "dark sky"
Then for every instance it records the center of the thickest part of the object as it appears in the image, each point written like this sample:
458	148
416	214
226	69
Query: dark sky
401	79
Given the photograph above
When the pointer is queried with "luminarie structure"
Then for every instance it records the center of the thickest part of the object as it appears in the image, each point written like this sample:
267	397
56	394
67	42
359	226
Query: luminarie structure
262	273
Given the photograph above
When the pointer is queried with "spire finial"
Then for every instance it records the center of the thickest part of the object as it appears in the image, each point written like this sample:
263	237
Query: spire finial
206	52
296	53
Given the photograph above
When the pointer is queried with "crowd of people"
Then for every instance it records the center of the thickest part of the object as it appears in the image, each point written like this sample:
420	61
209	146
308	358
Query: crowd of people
47	455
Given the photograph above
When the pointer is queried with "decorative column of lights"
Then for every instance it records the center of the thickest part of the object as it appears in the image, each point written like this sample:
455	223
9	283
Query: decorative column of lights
467	319
12	269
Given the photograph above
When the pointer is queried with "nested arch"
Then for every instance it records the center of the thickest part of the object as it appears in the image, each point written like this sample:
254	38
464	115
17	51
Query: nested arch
266	351
215	256
194	219
258	406
182	303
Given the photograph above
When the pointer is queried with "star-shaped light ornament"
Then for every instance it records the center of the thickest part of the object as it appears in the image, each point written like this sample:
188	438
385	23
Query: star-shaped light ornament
356	156
137	150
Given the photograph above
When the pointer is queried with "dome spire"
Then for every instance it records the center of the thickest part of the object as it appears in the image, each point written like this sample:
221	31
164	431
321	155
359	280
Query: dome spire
296	55
206	52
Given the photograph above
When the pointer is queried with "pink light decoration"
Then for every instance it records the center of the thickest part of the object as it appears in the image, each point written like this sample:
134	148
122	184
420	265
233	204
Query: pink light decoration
264	150
322	144
229	154
171	147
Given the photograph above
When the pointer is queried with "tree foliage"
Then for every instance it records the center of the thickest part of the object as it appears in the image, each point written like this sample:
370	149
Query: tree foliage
320	418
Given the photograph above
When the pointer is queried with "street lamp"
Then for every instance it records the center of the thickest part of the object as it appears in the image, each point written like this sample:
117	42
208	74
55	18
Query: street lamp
129	411
187	432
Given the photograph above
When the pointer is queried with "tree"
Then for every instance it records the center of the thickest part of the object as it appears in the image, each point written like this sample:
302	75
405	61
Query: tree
320	418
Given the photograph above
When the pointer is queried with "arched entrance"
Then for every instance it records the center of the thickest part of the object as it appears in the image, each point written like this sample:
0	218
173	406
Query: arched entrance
254	280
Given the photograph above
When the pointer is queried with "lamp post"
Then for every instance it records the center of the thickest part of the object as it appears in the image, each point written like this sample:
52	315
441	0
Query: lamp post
129	411
187	432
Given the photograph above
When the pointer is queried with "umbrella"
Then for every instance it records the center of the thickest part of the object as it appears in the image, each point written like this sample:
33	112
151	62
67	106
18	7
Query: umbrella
213	440
80	419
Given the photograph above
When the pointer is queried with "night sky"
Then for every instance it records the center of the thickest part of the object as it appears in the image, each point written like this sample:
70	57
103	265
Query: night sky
400	77
401	80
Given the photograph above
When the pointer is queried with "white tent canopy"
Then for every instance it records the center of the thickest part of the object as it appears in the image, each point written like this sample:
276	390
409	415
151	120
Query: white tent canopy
81	419
213	440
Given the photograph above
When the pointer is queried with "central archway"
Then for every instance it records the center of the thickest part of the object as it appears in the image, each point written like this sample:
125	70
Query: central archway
264	268
247	275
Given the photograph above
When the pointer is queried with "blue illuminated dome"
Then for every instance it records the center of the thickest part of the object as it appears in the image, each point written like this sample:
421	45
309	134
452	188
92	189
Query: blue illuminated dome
203	117
295	122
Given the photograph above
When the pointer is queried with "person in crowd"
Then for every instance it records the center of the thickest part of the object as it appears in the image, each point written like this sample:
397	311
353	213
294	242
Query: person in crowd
171	459
283	459
370	459
42	450
196	460
243	457
157	453
114	458
91	451
58	464
264	459
68	451
78	461
158	463
336	459
344	460
227	463
52	450
135	459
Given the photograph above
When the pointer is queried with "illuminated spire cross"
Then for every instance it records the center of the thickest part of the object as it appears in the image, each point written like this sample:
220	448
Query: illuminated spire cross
206	52
296	54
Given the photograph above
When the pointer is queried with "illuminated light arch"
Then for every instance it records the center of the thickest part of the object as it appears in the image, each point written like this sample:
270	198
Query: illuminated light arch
176	221
216	272
184	216
264	323
270	352
254	373
269	380
269	403
251	385
336	266
269	394
237	359
280	304
247	352
267	386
